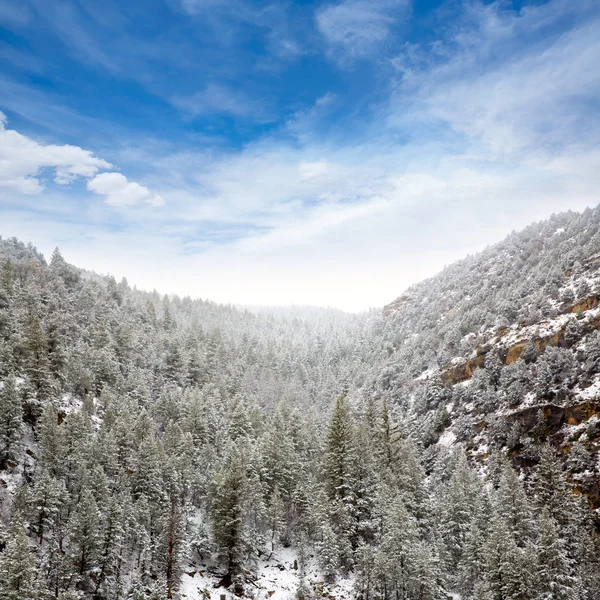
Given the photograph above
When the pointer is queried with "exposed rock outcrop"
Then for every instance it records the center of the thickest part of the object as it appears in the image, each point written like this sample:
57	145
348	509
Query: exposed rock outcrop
465	371
397	304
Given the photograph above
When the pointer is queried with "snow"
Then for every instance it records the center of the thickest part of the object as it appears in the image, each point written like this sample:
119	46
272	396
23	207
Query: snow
590	393
529	399
69	403
275	579
426	374
447	438
545	328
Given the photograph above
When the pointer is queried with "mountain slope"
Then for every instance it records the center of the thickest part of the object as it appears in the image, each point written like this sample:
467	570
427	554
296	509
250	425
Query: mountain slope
502	350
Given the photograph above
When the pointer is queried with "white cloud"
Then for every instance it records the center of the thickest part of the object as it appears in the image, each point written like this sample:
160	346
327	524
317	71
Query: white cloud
313	169
357	27
23	161
120	192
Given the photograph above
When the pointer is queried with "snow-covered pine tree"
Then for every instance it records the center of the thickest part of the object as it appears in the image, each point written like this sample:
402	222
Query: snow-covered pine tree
18	573
11	421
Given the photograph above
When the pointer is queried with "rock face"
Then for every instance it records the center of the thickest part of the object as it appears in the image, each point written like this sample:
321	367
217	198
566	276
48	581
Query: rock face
464	371
397	304
514	352
587	304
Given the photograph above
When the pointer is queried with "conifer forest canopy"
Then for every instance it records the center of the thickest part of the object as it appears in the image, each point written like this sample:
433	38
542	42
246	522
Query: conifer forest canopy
156	447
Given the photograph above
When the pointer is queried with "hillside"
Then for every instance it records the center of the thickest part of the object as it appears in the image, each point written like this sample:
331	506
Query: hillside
159	447
501	351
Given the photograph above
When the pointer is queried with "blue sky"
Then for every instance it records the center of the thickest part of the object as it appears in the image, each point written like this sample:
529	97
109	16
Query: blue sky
325	153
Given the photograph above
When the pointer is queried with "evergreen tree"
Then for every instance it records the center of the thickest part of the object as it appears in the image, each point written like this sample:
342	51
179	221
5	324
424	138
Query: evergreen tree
472	561
111	546
555	579
395	558
49	497
38	363
340	479
85	535
507	567
457	510
18	573
329	553
230	498
513	506
11	421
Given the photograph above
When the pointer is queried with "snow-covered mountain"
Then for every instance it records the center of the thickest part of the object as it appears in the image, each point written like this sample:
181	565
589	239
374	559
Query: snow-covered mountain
162	447
501	351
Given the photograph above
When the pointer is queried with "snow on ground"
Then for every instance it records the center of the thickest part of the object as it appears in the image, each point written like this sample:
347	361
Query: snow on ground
447	438
276	579
528	400
69	404
590	393
427	374
545	328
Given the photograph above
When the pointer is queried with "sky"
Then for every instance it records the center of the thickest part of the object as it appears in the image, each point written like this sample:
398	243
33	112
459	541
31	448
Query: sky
328	153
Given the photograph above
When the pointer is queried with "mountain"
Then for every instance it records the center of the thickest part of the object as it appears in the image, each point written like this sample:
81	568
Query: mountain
163	447
501	351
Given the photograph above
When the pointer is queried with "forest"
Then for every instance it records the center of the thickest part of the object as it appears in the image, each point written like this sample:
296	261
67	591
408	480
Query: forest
142	435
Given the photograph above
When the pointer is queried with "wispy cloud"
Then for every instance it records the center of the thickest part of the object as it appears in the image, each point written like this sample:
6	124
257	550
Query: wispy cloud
356	28
195	7
218	99
68	23
530	102
14	12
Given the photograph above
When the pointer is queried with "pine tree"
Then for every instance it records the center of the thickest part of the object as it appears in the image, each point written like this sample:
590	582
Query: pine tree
49	497
395	558
389	441
472	561
110	553
329	553
426	573
18	573
340	453
38	363
85	535
507	567
513	506
550	487
276	517
340	479
7	278
11	421
229	488
555	578
51	442
365	584
174	543
457	510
